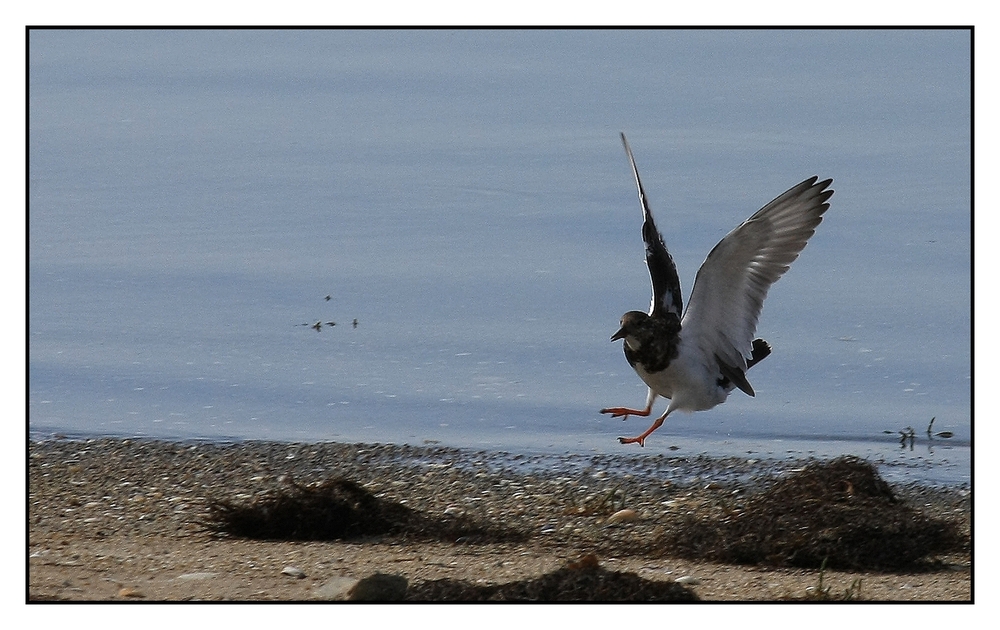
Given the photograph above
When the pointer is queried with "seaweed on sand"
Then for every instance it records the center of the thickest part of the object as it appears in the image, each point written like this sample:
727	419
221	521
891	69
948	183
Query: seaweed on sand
839	511
575	582
338	509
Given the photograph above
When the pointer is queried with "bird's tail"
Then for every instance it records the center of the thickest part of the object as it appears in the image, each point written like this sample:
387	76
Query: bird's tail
759	352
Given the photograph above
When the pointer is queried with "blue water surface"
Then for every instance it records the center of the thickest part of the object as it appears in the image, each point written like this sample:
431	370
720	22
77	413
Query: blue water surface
194	196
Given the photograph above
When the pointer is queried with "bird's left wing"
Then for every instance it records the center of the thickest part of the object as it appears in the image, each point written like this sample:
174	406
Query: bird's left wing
662	271
731	285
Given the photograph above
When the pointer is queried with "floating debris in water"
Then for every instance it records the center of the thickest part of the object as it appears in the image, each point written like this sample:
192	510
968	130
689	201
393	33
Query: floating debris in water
940	434
319	324
908	434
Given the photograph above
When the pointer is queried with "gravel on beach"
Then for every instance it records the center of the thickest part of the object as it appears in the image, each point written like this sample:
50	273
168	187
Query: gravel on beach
136	519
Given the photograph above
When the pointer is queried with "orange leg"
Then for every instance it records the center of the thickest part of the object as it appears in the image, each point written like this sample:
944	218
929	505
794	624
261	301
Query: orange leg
625	412
641	439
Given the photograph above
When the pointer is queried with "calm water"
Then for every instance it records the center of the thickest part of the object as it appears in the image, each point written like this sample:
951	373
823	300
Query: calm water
195	195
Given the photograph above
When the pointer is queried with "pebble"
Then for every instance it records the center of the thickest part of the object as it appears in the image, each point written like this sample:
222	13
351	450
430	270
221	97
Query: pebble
688	580
128	591
380	587
196	576
622	516
336	588
588	561
295	572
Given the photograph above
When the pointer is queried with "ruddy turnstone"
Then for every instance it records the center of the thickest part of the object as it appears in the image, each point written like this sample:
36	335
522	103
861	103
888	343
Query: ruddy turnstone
698	358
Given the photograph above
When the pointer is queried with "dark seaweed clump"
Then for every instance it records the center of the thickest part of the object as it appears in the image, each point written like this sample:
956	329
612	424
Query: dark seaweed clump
839	511
338	509
587	582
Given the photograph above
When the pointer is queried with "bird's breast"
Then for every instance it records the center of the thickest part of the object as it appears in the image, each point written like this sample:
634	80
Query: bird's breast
654	343
686	381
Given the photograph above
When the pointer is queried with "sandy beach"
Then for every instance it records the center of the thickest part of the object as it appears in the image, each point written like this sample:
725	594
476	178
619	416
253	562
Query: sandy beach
132	520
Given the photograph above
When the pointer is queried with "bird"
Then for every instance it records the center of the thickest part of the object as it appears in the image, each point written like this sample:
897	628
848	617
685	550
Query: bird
698	356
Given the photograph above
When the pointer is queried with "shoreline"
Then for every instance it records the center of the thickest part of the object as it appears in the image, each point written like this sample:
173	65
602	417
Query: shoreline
934	463
124	519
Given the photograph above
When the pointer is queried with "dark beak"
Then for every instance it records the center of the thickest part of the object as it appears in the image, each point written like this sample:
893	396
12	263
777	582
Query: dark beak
618	335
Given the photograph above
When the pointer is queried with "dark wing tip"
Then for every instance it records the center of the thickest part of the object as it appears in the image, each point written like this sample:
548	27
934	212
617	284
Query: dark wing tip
821	186
824	192
662	272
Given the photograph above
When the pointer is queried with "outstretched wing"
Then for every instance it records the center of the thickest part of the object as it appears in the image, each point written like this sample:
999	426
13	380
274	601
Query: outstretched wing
731	285
662	272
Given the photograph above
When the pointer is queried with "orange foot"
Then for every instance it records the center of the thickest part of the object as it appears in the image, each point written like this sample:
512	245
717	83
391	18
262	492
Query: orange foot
632	440
641	439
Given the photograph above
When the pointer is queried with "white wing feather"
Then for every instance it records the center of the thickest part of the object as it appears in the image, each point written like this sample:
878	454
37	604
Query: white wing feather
729	290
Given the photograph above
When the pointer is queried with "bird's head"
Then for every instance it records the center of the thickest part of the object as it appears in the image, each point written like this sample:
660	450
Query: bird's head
630	323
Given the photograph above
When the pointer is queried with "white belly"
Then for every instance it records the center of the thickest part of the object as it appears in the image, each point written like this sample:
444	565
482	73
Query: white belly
687	382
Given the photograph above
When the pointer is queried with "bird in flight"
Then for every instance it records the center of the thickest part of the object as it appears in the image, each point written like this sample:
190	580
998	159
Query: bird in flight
696	357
